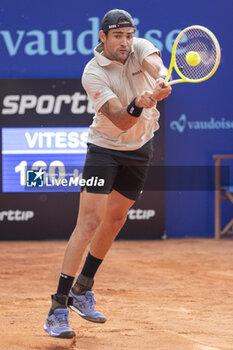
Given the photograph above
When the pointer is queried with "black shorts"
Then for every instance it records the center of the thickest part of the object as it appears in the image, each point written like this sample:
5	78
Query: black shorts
123	171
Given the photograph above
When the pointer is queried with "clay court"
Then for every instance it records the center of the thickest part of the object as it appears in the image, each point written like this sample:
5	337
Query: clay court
165	295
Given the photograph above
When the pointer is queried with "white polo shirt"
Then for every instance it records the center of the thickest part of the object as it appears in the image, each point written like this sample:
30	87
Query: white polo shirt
104	79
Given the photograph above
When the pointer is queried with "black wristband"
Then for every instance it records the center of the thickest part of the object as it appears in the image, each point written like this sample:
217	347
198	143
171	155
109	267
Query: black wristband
133	110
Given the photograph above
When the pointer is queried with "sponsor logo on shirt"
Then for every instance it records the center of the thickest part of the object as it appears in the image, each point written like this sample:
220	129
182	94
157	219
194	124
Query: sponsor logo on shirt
97	95
136	73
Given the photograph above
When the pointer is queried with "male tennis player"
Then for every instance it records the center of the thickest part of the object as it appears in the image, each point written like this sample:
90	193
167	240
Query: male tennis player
123	82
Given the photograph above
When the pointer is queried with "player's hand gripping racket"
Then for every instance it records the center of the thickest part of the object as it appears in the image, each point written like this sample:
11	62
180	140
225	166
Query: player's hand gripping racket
195	55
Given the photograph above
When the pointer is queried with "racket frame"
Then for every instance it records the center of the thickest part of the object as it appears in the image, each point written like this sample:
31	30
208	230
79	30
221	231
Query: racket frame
173	59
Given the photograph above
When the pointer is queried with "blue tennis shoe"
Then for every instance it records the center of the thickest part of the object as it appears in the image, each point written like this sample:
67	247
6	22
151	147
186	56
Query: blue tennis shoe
84	305
57	324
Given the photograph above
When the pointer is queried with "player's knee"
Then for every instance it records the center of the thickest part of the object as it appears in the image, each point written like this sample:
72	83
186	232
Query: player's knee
92	224
89	225
117	222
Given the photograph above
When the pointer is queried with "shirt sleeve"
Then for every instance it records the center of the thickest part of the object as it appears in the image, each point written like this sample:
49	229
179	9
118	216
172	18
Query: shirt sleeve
144	48
97	89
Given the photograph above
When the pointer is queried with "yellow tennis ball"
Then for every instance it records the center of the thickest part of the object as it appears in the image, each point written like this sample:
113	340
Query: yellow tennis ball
193	58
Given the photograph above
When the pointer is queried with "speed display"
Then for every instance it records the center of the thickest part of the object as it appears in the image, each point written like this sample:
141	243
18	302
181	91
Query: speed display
58	152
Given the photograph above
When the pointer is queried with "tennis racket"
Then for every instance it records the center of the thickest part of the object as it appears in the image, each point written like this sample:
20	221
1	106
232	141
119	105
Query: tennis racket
195	55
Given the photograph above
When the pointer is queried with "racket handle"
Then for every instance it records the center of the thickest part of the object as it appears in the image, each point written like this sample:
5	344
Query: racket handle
172	82
166	79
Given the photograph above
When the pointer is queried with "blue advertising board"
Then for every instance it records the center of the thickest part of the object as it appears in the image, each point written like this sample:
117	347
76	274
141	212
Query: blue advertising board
55	39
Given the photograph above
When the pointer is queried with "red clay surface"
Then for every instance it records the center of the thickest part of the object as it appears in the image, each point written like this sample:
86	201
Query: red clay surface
163	295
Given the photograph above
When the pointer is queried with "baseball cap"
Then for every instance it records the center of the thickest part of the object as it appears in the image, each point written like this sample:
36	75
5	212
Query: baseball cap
112	18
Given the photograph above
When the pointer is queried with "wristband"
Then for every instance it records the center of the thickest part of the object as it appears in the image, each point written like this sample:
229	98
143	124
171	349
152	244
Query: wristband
133	110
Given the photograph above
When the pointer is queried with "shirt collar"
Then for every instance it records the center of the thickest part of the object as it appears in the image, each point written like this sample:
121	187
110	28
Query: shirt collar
101	59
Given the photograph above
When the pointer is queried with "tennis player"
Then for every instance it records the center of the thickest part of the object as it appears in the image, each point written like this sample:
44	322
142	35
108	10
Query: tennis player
124	83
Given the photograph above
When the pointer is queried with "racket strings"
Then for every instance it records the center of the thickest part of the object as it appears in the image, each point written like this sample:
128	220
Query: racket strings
198	41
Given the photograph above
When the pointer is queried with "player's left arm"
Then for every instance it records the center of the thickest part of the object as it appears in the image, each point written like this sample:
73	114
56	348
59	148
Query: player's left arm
153	64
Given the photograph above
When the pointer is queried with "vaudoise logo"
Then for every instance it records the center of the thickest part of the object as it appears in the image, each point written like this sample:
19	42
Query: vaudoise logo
179	124
183	124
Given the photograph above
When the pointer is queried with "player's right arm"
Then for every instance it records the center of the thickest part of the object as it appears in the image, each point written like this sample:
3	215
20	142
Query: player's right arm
105	100
119	115
114	111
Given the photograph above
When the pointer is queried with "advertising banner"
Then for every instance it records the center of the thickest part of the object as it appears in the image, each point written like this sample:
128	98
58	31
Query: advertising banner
44	129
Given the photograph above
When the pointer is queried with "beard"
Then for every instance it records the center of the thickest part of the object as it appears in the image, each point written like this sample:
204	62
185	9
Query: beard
118	56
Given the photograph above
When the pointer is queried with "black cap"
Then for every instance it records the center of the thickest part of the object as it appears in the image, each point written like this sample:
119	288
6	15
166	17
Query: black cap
112	18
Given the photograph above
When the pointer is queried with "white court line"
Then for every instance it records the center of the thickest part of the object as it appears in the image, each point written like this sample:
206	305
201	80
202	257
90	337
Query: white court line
205	347
178	309
228	274
197	345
